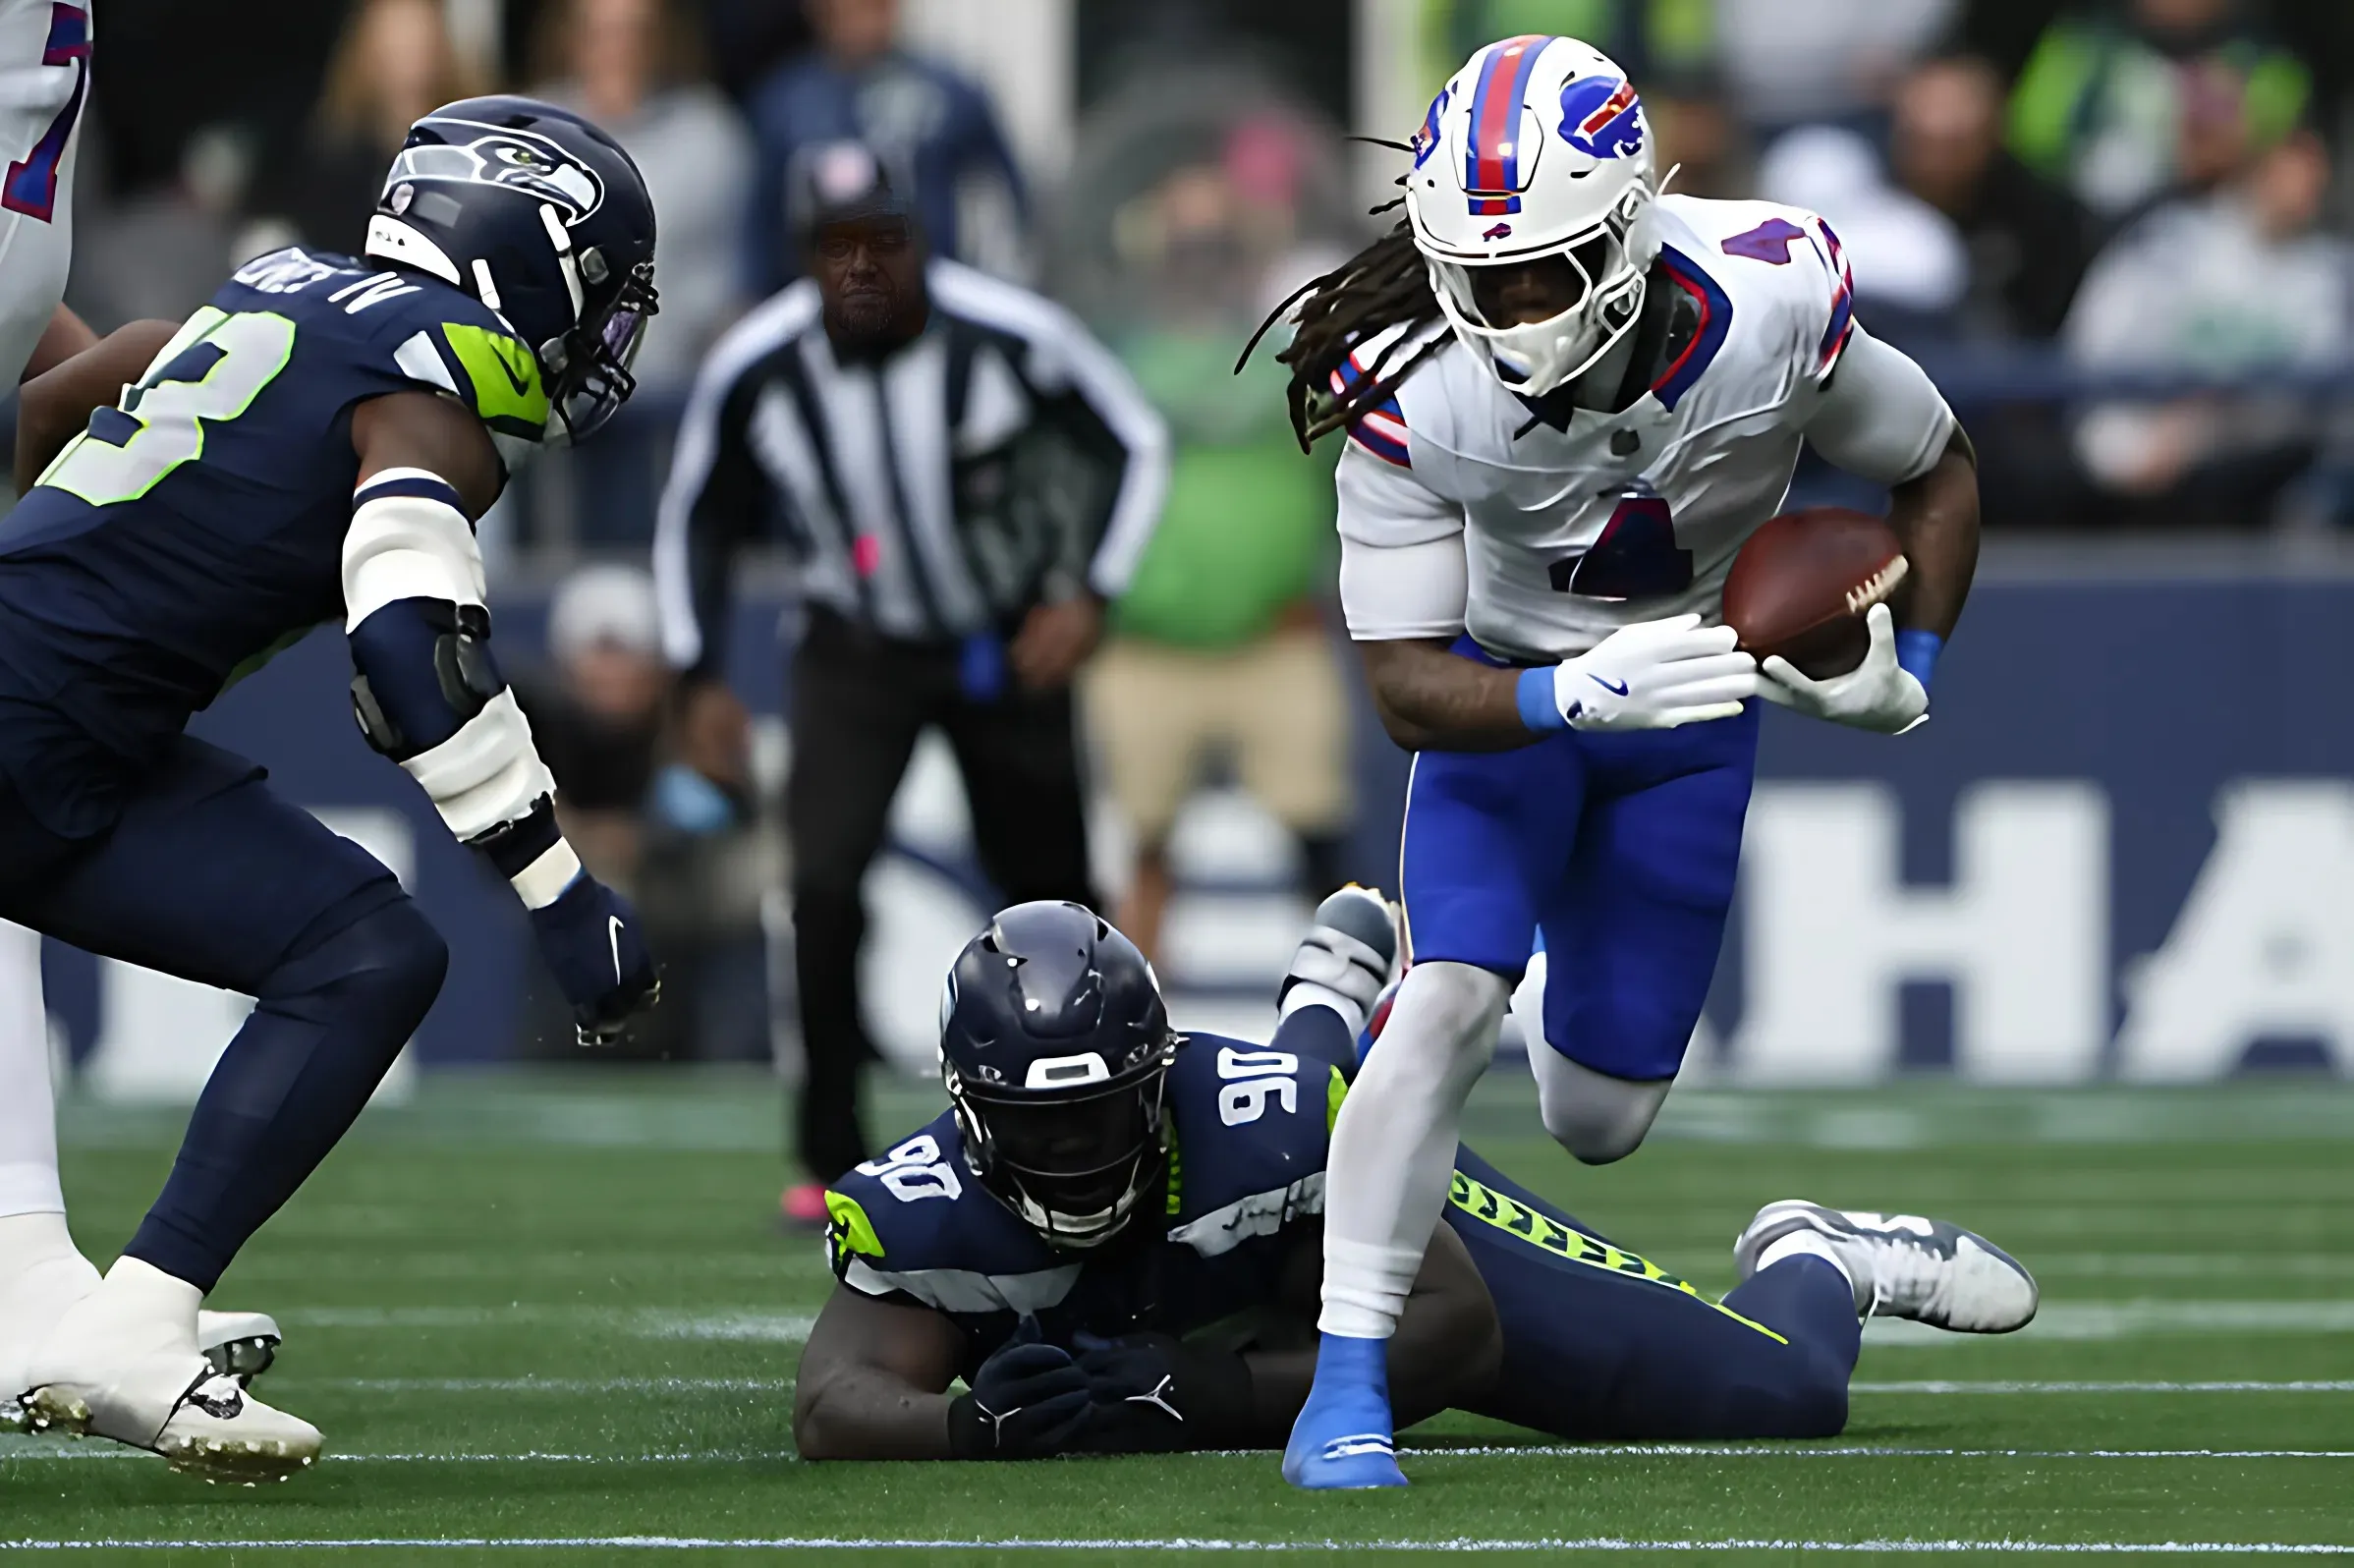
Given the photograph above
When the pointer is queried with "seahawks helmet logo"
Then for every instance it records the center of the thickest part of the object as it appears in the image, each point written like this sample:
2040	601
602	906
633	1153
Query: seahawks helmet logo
482	154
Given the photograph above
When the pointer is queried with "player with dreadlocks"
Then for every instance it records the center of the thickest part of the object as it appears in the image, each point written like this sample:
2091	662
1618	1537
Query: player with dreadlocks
1568	401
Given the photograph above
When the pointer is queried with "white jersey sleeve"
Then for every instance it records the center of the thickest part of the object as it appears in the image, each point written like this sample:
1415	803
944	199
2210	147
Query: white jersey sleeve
1881	418
1402	568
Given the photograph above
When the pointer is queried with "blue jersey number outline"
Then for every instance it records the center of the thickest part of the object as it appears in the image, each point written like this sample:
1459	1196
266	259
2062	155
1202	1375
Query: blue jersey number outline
30	185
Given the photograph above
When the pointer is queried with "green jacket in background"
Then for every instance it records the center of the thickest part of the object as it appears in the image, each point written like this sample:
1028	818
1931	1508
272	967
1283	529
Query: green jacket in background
1246	530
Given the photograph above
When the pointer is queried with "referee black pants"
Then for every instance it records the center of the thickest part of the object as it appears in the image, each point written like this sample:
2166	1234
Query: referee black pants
859	701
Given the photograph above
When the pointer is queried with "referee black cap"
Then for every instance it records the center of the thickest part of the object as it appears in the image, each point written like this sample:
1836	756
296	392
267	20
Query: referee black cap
841	181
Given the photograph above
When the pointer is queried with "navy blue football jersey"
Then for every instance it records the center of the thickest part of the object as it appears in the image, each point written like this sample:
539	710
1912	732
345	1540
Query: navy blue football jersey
1251	1128
197	526
1597	1339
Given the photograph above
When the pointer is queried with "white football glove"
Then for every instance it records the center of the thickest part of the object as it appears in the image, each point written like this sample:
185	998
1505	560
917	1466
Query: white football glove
1879	694
1655	675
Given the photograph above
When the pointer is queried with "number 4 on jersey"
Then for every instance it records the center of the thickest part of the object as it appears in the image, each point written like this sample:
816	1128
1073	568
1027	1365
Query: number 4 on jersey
1635	557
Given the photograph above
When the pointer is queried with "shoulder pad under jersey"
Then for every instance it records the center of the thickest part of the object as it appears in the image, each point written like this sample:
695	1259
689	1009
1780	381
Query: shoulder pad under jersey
913	1225
1251	1128
1778	278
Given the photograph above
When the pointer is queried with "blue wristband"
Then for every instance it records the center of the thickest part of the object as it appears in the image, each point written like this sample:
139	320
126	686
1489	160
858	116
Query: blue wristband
1536	696
1917	654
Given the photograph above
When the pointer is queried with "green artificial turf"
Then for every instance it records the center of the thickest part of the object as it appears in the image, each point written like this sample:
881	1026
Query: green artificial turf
535	1309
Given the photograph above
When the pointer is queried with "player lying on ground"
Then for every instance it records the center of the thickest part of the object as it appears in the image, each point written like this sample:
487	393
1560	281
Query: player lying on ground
1113	1236
1569	399
311	447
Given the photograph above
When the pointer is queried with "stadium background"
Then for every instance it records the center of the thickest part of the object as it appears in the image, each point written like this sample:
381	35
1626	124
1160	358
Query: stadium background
2124	849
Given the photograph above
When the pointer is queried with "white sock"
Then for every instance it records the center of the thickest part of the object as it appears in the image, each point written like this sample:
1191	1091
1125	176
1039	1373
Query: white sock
1308	993
27	1103
1806	1244
1386	1183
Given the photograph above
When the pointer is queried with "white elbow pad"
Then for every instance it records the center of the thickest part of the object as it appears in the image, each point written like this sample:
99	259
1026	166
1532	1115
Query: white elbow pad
1881	418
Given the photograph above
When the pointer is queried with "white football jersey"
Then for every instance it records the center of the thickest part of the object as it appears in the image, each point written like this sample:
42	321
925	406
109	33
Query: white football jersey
1573	530
45	88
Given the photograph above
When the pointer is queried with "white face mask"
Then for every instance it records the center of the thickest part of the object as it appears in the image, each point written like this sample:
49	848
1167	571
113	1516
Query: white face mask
1535	358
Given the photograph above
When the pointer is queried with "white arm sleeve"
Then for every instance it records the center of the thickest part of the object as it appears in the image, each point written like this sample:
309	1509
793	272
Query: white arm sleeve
1881	418
409	541
1402	568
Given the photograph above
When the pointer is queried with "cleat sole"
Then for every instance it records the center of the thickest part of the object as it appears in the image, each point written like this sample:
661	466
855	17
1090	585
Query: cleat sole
58	1411
237	1464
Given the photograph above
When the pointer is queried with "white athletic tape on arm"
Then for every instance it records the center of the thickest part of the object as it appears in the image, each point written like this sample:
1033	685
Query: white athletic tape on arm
488	773
544	880
1391	592
408	547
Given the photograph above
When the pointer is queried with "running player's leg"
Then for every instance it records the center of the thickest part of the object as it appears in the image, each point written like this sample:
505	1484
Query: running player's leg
41	1272
1632	941
209	876
1481	831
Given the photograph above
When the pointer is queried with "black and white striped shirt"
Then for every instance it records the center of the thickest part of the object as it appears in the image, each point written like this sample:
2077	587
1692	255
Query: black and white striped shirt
1003	458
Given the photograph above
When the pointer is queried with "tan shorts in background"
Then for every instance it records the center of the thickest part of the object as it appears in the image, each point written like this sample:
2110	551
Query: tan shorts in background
1278	707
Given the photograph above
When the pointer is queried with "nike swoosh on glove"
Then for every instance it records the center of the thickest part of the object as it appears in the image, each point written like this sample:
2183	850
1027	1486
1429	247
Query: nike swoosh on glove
597	949
1879	694
1027	1401
1651	675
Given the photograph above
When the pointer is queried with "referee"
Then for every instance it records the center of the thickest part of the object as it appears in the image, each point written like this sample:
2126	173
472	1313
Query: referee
962	478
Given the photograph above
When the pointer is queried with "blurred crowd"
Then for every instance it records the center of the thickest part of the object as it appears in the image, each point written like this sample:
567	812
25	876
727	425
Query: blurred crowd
2115	229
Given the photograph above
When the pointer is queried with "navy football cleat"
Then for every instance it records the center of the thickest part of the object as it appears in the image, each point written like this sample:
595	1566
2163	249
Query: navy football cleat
1904	1266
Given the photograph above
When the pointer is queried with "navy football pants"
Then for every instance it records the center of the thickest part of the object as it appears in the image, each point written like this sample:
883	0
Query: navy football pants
209	876
1599	1344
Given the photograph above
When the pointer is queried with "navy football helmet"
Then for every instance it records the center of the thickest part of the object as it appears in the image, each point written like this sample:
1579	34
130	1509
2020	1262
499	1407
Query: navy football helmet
1055	1047
542	217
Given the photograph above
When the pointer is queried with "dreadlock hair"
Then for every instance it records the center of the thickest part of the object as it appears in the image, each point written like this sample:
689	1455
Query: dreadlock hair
1382	285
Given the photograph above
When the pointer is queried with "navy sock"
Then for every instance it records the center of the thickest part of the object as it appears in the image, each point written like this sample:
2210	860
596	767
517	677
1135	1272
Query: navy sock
329	1022
1316	1031
1808	1303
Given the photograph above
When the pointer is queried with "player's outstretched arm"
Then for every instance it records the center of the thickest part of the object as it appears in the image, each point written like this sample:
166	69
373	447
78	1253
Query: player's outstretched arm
57	403
430	695
874	1381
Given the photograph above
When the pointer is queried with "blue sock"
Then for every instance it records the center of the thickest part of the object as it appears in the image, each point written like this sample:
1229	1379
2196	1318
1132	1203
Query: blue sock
1345	1364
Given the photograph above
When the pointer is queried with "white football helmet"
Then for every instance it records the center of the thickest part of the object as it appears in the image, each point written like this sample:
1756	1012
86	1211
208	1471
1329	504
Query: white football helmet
1537	147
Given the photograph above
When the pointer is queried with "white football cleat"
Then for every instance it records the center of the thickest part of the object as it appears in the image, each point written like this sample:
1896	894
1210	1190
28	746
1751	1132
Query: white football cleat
240	1344
123	1365
1904	1266
1349	952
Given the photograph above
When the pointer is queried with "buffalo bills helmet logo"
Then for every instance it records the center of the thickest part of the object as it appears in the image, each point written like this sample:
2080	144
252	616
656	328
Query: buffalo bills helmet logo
518	161
1424	139
1601	117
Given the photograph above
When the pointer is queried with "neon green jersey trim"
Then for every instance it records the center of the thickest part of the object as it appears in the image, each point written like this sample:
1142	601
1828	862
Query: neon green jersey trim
1490	1207
852	1231
1336	1090
504	376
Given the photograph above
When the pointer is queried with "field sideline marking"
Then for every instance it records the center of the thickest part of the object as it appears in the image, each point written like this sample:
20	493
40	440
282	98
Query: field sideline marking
1181	1544
1762	1449
2250	1386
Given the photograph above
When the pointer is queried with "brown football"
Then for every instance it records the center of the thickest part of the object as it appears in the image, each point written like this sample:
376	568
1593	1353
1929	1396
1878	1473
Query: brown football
1802	584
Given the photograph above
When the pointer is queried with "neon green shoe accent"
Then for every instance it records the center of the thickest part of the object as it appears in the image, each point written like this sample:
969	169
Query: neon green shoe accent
1336	1090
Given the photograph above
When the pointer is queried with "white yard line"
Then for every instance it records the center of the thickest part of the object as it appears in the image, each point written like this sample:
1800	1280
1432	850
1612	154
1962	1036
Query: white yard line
44	1450
1934	1386
1208	1544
